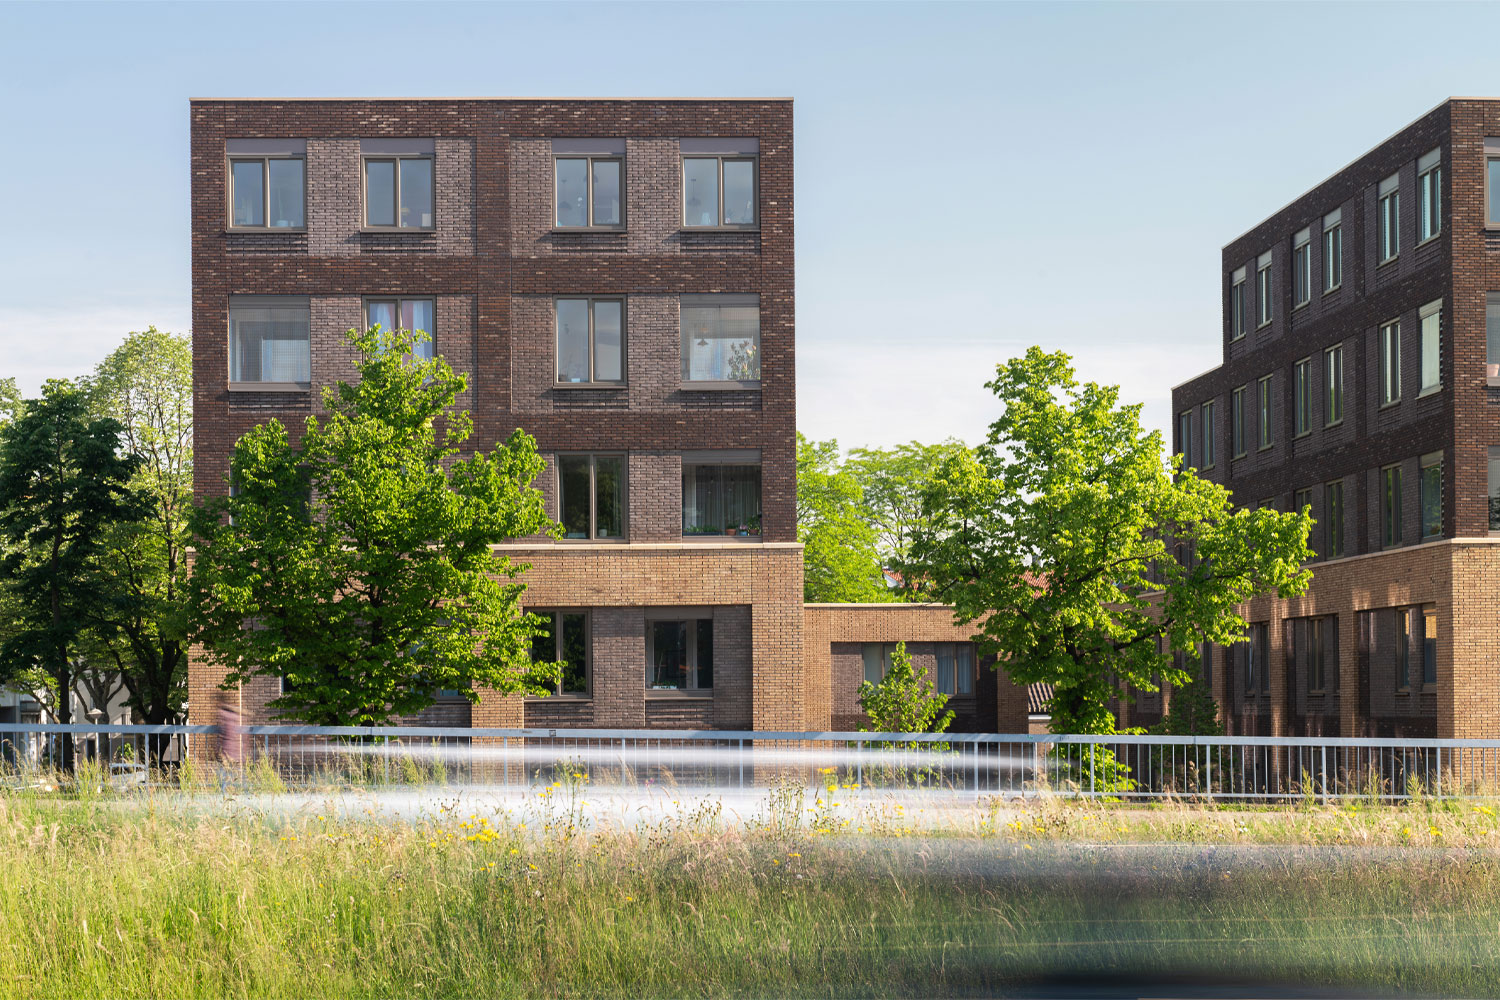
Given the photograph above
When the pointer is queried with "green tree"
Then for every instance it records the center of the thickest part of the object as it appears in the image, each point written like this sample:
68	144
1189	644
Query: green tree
147	385
64	483
839	558
1075	548
357	565
904	701
892	482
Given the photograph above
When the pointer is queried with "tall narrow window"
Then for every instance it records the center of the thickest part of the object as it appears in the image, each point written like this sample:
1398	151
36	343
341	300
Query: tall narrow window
412	315
1390	506
721	494
719	192
1430	486
1185	437
1388	218
1259	659
1263	289
1207	432
1265	413
1237	304
1430	195
1333	250
1492	334
591	495
1408	637
1317	674
398	192
1302	267
565	641
590	340
1432	339
1333	520
270	339
589	192
1390	363
680	653
876	657
1237	421
720	338
267	185
1429	645
1333	384
1302	397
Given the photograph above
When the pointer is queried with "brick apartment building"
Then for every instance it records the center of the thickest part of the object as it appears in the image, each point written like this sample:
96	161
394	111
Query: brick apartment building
1361	378
616	278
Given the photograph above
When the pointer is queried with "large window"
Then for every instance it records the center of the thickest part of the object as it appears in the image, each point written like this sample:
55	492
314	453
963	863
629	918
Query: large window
680	652
1432	339
1430	195
1333	250
269	339
1390	363
1333	385
1237	422
720	338
1492	334
1302	397
1237	305
267	184
589	192
721	494
1390	506
1206	434
565	641
398	192
1430	486
1416	647
412	315
591	495
719	191
1302	267
1333	520
1263	300
1265	413
590	340
1388	218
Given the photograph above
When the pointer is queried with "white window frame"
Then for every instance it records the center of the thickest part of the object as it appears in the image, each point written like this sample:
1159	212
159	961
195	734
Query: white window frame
1431	326
1333	385
1265	306
1388	219
1429	196
1333	251
1237	304
1265	412
1302	267
1389	355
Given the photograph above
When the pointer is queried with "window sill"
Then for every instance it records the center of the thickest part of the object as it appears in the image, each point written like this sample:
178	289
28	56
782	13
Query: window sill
1207	468
695	694
590	385
1492	380
587	230
1262	326
572	699
1423	243
1265	447
1302	305
1330	291
1388	260
270	386
396	230
1242	455
1335	423
706	386
721	539
264	230
718	229
593	541
1431	391
1299	437
1388	404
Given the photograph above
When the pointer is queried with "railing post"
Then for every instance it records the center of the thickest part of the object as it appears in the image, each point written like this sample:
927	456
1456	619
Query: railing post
1093	755
1324	769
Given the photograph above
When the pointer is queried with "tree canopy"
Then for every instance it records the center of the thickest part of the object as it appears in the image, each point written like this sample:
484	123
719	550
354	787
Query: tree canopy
1083	558
356	564
840	562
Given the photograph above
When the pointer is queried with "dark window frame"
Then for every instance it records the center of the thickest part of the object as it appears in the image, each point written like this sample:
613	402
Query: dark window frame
594	382
592	226
753	159
556	614
365	160
593	460
230	159
431	342
692	617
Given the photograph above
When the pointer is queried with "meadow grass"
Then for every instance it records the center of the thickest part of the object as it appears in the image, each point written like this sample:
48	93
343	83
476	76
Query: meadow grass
197	895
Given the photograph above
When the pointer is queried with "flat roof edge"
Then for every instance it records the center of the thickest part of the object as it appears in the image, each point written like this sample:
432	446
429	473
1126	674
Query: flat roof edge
1194	378
518	100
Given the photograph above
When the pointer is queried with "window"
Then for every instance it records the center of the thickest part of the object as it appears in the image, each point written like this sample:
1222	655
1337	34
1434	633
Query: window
412	315
1263	424
565	641
1237	421
718	192
877	660
398	189
1492	334
1429	645
269	339
1390	506
1390	363
1494	490
1406	624
1302	397
1430	486
1432	335
720	338
1206	663
1430	195
589	190
1333	250
1207	432
267	183
1333	385
955	668
1237	305
1492	182
680	652
1388	218
591	495
590	340
1263	290
1302	266
1333	520
1321	636
721	494
1185	437
1257	659
1301	500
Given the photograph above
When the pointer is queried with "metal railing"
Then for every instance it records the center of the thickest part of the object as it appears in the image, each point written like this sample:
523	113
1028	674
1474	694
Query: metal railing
1205	768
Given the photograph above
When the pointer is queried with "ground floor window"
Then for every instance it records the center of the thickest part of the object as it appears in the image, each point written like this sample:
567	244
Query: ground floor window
680	652
565	641
955	673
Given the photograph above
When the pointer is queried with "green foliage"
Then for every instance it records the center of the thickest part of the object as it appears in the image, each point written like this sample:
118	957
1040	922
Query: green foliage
1084	559
63	484
10	401
904	701
892	482
840	563
147	385
357	565
1192	711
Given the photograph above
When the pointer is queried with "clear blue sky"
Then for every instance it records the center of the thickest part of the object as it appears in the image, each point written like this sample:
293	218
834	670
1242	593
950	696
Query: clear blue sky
971	179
